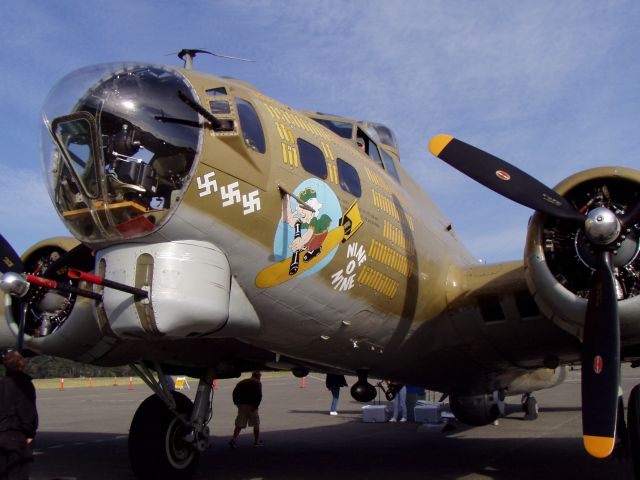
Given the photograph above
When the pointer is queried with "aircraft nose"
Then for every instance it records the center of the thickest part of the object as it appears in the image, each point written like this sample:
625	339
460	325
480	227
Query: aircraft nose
122	139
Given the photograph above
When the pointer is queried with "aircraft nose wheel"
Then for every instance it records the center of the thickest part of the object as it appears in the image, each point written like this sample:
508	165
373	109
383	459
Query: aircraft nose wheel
529	407
179	452
158	441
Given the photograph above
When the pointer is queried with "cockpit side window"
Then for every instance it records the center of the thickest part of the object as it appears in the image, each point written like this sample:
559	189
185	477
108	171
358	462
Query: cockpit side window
389	166
251	128
368	146
375	154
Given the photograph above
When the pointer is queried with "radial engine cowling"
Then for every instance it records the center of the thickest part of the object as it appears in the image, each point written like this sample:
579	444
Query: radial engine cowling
559	261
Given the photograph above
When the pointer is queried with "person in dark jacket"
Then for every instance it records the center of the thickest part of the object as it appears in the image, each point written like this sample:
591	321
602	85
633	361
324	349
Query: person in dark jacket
247	396
334	383
18	419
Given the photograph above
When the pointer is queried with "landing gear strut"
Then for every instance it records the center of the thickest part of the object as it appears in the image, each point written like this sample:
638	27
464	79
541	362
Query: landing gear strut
168	432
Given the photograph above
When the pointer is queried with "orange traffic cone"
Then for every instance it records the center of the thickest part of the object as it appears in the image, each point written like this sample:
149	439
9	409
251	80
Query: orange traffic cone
61	384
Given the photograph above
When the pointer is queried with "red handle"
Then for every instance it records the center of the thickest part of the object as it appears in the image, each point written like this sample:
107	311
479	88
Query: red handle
87	277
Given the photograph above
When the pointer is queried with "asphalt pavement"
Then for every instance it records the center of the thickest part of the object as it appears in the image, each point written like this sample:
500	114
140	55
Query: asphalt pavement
83	435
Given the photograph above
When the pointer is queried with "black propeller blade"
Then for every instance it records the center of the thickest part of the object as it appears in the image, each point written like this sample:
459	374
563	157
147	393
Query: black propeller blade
601	349
9	260
601	361
502	177
24	307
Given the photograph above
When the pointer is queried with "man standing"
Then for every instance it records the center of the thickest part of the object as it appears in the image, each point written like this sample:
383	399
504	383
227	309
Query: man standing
18	419
334	383
247	396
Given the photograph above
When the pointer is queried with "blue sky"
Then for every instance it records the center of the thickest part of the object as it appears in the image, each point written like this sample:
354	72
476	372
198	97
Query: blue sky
551	86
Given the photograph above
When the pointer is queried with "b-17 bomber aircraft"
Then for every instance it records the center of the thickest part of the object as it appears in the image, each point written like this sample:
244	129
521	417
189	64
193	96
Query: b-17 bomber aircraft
217	231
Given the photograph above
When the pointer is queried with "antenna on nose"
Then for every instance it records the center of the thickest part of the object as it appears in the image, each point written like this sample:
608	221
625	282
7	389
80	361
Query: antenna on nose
188	54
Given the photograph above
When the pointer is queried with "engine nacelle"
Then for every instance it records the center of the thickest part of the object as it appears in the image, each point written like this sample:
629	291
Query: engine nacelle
56	323
559	262
539	379
191	291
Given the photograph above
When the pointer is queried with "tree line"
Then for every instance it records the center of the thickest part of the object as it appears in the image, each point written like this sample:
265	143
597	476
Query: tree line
46	366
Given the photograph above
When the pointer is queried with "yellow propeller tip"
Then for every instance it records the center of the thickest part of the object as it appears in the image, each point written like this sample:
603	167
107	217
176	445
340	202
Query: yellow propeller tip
438	143
598	447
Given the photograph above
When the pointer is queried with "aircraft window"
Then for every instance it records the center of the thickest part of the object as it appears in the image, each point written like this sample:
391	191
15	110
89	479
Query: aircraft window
490	309
372	150
251	127
527	307
389	166
344	129
312	159
368	146
219	106
75	134
385	135
349	178
215	92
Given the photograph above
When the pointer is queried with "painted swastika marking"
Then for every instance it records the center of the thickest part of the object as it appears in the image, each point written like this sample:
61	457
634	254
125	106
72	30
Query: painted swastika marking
207	184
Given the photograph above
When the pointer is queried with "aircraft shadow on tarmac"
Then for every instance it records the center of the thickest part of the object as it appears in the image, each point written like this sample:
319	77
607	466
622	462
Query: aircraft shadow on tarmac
351	449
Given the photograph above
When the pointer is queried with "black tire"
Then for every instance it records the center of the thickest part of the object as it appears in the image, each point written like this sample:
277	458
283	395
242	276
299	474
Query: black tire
530	407
633	427
156	448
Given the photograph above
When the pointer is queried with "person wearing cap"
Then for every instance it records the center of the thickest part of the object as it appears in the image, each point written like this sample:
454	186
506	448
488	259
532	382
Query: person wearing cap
18	419
247	396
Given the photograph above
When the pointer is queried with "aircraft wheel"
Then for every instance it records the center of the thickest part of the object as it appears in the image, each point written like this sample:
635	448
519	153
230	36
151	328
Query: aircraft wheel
157	449
530	407
633	426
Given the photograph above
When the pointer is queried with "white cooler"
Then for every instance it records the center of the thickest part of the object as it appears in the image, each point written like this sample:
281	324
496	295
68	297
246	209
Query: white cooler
428	412
374	413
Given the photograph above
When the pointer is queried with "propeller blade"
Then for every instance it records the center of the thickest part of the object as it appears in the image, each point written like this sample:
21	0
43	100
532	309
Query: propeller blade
24	307
502	177
9	260
601	361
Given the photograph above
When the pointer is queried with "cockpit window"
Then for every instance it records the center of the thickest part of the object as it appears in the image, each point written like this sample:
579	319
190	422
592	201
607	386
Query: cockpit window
382	134
119	147
374	154
389	166
368	146
251	127
344	129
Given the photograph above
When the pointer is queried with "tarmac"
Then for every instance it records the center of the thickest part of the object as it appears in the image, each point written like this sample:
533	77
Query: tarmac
83	435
